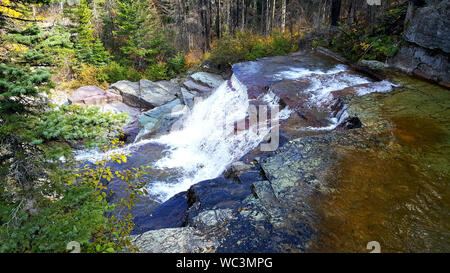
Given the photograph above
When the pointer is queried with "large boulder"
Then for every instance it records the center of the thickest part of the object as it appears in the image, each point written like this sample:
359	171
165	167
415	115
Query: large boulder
130	92
430	26
159	119
428	52
203	82
147	94
421	62
159	93
207	79
120	107
196	87
93	95
188	97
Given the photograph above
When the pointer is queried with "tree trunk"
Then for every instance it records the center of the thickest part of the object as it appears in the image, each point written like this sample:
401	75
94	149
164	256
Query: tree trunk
228	15
254	19
242	15
262	18
283	15
267	17
272	20
335	12
204	24
218	29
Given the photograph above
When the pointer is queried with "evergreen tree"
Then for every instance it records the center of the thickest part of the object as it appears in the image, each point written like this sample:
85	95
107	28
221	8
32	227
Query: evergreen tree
89	48
140	32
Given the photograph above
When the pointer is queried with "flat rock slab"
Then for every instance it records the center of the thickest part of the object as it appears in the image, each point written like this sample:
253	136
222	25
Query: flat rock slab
174	240
193	86
93	95
207	79
120	107
147	94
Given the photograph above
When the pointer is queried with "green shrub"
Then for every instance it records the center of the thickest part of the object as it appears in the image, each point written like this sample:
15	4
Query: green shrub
247	46
74	217
74	123
115	72
159	71
177	64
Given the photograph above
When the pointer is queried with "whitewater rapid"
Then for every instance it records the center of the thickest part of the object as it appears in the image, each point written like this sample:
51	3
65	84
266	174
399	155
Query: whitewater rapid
204	142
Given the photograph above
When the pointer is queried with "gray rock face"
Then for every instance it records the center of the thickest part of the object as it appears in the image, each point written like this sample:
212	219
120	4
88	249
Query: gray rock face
188	97
158	93
427	32
130	93
213	217
207	79
147	94
430	27
237	168
159	119
174	240
419	61
93	95
193	86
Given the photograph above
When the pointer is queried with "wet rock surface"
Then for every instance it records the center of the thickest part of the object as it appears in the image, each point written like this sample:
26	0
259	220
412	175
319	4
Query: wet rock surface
159	119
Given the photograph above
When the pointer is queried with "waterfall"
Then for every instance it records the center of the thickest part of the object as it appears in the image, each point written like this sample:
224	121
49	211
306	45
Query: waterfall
206	142
210	136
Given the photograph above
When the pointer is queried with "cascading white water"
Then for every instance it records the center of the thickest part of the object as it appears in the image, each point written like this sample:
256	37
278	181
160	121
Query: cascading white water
204	142
207	143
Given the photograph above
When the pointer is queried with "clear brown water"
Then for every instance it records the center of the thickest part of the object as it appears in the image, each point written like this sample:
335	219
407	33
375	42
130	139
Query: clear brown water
397	192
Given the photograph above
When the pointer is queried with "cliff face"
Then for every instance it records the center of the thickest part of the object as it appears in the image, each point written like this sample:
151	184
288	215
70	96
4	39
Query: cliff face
428	49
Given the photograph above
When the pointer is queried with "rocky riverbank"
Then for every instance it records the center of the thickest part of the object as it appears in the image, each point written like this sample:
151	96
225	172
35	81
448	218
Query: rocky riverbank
285	200
270	203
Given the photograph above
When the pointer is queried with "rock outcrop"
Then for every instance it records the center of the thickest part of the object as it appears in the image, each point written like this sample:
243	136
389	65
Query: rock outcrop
174	240
159	119
93	95
208	79
203	82
147	94
428	50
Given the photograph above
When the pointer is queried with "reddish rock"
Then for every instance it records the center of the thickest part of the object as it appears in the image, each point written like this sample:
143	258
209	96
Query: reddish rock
93	95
